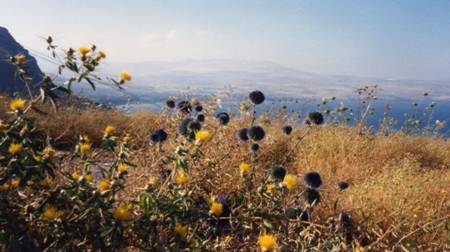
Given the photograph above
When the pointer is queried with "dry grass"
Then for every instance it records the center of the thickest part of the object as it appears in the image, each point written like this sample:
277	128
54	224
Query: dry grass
399	185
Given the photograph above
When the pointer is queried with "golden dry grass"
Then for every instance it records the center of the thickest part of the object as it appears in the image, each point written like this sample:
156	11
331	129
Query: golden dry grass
399	184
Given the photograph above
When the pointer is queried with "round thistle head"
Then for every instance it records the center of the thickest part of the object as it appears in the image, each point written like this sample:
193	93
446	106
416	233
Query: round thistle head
223	118
242	134
256	97
311	196
315	118
188	127
158	136
278	172
256	133
313	179
198	108
200	117
296	212
254	147
185	107
287	129
345	219
343	185
170	103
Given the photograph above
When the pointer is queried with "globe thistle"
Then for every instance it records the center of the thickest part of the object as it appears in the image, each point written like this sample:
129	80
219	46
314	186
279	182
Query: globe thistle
256	133
278	172
223	118
345	220
313	179
201	117
295	211
311	195
242	134
343	185
198	108
170	103
256	97
254	147
188	127
158	136
315	118
184	106
287	129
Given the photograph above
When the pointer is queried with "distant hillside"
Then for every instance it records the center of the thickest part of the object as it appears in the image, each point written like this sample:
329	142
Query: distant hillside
10	47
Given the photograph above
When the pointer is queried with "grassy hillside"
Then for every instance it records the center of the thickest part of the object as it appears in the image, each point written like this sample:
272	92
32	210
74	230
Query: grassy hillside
397	198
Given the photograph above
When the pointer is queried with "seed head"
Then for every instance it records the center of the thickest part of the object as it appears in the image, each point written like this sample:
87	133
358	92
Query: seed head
315	118
185	107
313	179
242	134
223	118
278	172
170	103
256	97
311	195
343	185
256	133
287	129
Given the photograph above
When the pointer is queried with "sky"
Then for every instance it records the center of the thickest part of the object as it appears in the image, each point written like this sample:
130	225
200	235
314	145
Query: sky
402	39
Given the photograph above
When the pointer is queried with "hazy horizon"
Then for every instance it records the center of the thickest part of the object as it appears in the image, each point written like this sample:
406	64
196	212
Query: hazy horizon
384	39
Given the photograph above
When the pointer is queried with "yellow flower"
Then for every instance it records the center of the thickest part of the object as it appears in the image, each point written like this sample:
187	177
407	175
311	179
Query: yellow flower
75	176
359	249
123	213
228	238
20	59
122	168
17	104
84	148
124	76
180	229
181	178
4	187
195	102
290	181
201	135
84	50
152	180
102	54
47	181
245	168
37	158
50	213
270	187
89	178
49	151
216	209
267	242
85	139
103	185
15	148
109	129
15	182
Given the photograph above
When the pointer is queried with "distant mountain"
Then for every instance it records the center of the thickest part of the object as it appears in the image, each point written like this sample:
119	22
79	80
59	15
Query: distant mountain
10	47
209	76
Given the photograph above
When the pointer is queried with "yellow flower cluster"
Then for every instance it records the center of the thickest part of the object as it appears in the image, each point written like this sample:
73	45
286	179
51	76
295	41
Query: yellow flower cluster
20	59
109	129
202	135
123	213
15	148
244	168
267	242
104	185
17	104
84	50
290	181
216	209
124	76
180	229
181	178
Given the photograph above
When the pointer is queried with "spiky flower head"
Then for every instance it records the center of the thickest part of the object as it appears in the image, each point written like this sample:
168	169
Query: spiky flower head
109	130
198	108
287	129
216	209
315	118
290	181
17	104
223	118
170	103
123	213
14	148
254	147
311	195
256	97
84	50
244	168
104	185
158	136
343	185
184	106
124	76
200	117
256	133
345	219
180	229
278	172
242	134
267	242
313	179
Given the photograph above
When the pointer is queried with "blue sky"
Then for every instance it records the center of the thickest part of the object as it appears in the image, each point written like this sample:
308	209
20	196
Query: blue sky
392	39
